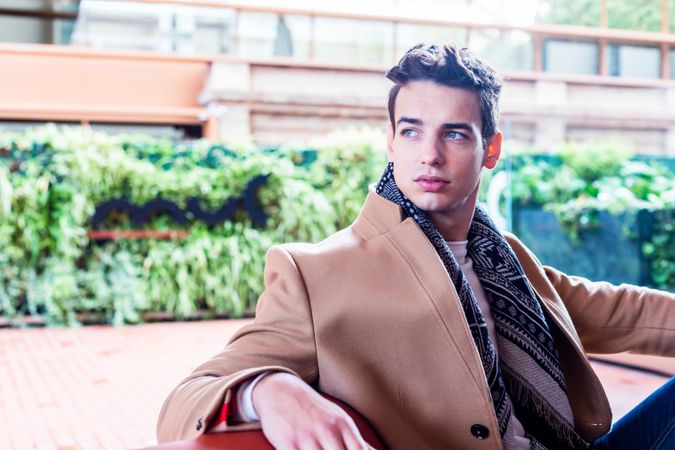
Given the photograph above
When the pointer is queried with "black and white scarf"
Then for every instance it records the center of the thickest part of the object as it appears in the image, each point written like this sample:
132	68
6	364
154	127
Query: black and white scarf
528	367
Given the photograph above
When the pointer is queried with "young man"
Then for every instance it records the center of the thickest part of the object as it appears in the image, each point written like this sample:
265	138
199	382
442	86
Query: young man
440	330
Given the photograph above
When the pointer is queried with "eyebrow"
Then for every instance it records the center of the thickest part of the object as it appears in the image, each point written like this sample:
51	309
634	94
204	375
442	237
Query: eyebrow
445	126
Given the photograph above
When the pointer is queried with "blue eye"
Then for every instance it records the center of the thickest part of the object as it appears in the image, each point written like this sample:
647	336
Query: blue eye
455	135
409	132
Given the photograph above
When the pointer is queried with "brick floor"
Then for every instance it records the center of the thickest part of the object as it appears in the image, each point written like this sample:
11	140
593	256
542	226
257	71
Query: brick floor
102	387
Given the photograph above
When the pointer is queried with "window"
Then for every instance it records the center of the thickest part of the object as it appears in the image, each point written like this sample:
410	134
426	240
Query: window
213	33
633	61
57	29
573	57
356	41
265	35
158	27
408	35
505	50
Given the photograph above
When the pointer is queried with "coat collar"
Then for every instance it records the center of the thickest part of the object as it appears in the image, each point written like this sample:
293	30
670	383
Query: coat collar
378	216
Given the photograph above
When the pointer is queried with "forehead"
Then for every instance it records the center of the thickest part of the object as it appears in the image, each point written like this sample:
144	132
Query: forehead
436	104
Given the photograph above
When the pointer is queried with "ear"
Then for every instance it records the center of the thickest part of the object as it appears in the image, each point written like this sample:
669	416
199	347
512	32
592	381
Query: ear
390	143
493	151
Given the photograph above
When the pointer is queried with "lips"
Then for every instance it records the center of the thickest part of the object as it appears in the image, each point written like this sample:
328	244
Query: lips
430	183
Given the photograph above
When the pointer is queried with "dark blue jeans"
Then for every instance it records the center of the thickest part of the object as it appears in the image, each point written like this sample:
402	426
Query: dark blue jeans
648	426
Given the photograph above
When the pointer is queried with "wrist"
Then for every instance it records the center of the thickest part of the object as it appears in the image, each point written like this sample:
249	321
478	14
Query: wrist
246	412
269	387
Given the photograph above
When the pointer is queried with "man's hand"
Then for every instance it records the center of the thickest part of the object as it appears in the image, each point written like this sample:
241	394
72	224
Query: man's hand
294	416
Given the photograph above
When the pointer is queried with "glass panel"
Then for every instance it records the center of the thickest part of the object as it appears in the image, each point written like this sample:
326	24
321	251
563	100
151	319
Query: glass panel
155	26
578	57
63	31
408	35
110	24
570	12
264	35
256	33
503	49
30	30
213	34
301	34
36	30
355	41
631	15
672	63
633	61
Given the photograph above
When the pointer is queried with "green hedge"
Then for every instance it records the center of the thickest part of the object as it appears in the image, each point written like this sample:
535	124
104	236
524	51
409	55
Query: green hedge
51	180
583	180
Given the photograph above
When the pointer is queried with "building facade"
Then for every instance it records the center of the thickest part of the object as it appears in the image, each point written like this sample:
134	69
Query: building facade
294	70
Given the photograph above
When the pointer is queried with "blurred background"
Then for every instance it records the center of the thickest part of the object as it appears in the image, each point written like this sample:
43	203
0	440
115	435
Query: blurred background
137	100
227	127
578	70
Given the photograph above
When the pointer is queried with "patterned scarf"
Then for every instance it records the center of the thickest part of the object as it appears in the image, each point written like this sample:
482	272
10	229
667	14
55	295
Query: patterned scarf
528	367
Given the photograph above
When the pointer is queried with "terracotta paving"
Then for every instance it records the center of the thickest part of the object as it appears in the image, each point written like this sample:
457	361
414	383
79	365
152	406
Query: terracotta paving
102	387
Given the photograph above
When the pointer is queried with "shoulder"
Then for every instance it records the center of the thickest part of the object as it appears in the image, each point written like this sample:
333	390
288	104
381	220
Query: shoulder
340	242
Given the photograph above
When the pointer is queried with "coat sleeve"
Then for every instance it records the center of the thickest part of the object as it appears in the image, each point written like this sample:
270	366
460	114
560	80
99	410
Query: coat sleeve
614	319
281	338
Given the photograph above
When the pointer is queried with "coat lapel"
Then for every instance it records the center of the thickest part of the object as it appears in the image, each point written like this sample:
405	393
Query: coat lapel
380	217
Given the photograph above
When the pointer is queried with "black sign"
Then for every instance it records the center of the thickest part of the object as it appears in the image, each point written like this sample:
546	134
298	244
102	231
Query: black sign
142	214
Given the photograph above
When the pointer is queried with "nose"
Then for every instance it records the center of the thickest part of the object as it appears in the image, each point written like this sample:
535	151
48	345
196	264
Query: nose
432	152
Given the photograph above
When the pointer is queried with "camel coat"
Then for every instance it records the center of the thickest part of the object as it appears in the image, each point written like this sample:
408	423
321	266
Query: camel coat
370	316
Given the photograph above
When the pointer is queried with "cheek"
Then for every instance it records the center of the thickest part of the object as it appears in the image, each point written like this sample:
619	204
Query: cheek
402	175
404	157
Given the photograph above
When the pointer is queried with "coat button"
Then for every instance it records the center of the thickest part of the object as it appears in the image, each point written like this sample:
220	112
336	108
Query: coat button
199	424
480	431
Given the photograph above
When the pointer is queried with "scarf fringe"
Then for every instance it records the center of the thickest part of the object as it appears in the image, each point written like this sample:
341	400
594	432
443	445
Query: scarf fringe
531	400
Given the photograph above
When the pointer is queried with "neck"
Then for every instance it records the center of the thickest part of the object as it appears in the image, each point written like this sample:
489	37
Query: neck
454	224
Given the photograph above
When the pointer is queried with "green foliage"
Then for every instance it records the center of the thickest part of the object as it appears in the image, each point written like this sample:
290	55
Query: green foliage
52	178
582	180
571	12
659	250
642	15
593	160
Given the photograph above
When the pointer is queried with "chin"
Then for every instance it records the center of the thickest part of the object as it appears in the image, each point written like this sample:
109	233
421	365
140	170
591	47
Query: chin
430	204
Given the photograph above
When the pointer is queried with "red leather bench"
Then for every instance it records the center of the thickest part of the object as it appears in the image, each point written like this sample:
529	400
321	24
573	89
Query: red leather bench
255	440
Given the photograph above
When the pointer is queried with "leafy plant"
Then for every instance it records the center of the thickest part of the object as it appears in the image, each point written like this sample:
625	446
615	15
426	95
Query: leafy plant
52	178
582	180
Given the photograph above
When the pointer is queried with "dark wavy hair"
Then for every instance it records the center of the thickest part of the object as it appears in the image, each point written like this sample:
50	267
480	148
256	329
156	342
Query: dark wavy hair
448	65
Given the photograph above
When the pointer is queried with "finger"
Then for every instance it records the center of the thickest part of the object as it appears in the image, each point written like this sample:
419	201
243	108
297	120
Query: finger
307	442
333	439
353	439
325	438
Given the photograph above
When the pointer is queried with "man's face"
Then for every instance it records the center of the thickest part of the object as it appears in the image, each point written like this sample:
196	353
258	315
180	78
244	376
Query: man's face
436	147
